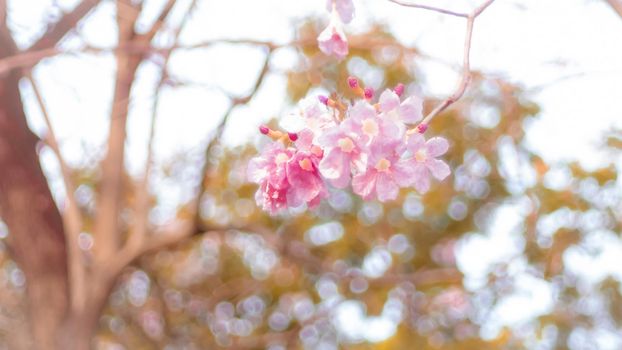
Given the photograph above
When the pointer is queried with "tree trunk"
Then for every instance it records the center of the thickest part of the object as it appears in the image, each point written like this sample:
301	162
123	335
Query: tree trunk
36	235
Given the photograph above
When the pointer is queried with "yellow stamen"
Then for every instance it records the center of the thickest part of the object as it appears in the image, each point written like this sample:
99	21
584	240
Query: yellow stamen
383	165
421	155
306	164
370	127
346	144
281	158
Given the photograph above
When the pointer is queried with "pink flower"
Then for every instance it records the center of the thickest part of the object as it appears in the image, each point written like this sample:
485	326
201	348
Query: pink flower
407	112
424	162
343	149
306	184
364	121
332	40
345	9
269	170
384	175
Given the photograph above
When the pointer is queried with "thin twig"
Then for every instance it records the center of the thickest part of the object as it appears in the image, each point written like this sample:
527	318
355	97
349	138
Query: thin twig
31	58
430	8
466	65
218	133
142	196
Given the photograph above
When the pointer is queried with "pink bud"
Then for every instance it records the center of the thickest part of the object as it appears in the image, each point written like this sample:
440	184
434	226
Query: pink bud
353	82
399	89
369	93
421	128
264	129
292	136
323	99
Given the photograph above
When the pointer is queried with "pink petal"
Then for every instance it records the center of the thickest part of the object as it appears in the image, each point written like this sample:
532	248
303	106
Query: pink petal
345	9
438	168
403	174
256	171
295	197
411	110
362	110
363	184
332	40
436	146
305	140
421	179
391	131
332	165
386	189
415	142
389	100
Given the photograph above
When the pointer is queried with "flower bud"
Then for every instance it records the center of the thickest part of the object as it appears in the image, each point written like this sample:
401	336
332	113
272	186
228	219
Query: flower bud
399	89
353	82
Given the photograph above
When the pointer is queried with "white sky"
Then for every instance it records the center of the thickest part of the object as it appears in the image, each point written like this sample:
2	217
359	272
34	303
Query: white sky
574	44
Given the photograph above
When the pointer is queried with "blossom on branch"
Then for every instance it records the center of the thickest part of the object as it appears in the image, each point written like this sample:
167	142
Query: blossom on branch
332	40
377	148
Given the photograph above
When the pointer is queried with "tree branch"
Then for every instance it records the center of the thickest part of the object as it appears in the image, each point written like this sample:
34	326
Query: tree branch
72	217
466	66
31	58
430	8
141	209
218	133
54	34
616	5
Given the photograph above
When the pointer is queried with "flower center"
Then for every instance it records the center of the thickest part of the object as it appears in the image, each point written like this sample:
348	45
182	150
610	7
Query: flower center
383	165
370	127
346	144
306	164
421	155
281	158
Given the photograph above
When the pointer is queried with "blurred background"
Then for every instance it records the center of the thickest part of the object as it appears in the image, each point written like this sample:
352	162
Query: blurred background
126	221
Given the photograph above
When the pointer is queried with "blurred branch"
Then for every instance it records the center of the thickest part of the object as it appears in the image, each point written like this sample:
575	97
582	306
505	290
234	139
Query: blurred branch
616	5
72	217
110	199
217	134
29	59
142	197
183	229
466	67
54	34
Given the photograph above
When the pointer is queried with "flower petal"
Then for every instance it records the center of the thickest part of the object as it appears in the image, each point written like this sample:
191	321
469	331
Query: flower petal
256	170
305	140
421	179
386	189
332	164
364	184
403	173
388	101
345	9
436	146
415	142
438	168
411	110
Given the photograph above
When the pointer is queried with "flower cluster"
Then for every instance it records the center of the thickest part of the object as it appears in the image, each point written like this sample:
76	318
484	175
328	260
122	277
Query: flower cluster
378	148
332	40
